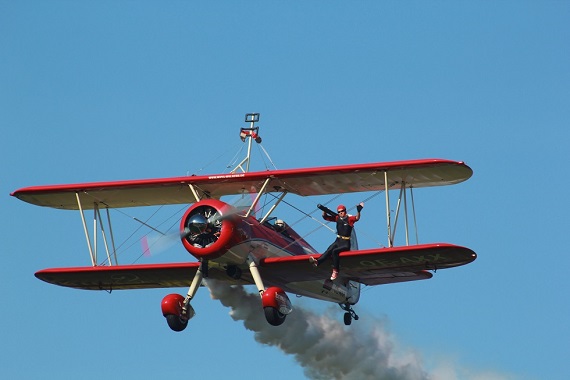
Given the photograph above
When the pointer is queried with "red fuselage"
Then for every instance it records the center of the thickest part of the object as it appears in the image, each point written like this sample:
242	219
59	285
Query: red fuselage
214	230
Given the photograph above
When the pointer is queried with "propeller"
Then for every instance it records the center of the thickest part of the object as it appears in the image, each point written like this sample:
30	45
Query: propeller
201	228
153	244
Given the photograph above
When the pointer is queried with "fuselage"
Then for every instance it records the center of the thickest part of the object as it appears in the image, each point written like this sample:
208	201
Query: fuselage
227	237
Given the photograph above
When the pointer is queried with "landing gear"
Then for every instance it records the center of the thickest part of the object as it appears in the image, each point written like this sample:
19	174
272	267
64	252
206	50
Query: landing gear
233	272
178	311
276	304
176	323
349	315
176	308
173	310
273	316
347	319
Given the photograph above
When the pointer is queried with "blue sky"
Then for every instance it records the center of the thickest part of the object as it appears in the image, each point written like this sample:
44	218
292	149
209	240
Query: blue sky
113	90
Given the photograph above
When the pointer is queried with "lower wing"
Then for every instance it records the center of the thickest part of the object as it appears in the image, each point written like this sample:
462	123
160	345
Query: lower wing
122	276
370	267
375	266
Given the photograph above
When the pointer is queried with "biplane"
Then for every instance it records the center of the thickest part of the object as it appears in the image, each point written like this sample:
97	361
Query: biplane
231	243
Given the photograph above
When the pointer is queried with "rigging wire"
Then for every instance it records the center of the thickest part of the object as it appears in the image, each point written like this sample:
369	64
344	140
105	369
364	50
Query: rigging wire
166	235
137	220
360	232
123	247
262	157
234	159
312	212
268	157
225	152
321	224
306	215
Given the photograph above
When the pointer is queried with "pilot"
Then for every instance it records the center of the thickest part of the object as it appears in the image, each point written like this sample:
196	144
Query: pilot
281	227
344	226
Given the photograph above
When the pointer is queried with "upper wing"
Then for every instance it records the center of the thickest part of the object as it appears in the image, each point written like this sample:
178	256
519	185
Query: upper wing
375	266
310	181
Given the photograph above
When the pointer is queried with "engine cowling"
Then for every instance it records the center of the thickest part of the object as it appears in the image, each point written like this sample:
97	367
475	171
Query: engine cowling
207	229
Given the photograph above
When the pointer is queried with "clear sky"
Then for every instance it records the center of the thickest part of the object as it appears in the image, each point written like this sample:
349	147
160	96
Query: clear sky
114	90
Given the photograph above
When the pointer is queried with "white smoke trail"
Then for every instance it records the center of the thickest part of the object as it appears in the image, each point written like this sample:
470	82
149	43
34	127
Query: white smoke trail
321	344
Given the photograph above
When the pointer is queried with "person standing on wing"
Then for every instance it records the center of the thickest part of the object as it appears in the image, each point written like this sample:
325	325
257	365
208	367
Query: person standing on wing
344	226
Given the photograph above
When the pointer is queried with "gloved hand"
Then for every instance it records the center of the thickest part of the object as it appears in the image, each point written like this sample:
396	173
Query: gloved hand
360	206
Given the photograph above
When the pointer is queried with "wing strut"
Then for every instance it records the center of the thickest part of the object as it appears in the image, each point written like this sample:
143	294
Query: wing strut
273	207
414	213
402	198
387	188
103	234
402	192
194	192
97	220
261	192
112	237
91	252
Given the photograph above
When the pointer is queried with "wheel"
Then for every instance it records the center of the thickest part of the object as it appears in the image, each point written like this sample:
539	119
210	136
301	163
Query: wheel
176	323
233	272
347	319
273	316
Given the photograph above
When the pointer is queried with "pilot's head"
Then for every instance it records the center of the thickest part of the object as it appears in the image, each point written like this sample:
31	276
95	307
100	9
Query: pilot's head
341	210
279	225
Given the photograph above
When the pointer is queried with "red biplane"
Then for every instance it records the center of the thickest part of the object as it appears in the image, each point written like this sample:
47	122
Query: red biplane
231	244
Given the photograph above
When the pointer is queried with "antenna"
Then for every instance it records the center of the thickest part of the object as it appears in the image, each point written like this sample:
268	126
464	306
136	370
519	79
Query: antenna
249	134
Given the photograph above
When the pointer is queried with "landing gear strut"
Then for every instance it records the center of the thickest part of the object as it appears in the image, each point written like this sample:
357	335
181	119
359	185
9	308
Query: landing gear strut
176	308
276	304
196	282
349	315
